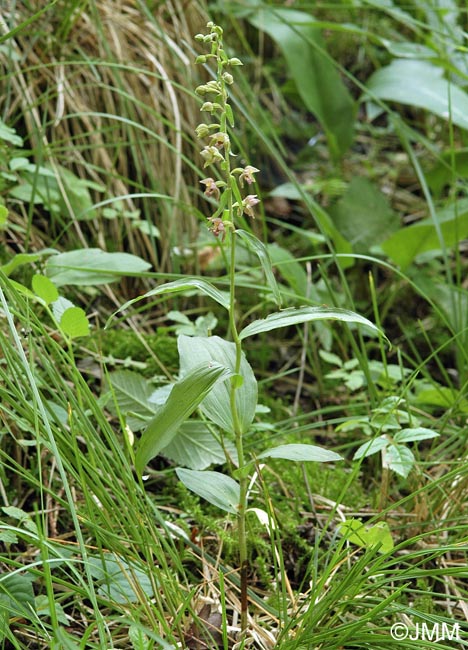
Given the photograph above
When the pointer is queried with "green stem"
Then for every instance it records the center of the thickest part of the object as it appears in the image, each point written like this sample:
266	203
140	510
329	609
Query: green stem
243	479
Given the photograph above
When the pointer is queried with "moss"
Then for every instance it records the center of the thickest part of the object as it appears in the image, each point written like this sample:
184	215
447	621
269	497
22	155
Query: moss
124	344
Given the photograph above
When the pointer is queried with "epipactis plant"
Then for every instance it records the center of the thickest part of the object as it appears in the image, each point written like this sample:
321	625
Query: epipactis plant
215	376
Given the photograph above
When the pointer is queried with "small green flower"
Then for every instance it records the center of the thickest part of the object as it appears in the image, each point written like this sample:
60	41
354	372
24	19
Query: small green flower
210	155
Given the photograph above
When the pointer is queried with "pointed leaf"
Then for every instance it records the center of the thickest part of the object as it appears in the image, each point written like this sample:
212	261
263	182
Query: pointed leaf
186	284
16	594
301	453
380	535
414	435
183	399
220	490
74	322
398	458
216	406
371	447
261	251
290	317
44	288
90	266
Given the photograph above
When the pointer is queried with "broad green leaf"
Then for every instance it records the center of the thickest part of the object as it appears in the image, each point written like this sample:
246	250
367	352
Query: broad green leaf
443	397
20	259
74	323
414	435
218	489
380	535
3	216
301	453
183	399
16	594
216	406
185	284
7	134
363	215
195	447
371	447
60	306
398	458
42	605
119	580
409	242
44	288
132	394
90	266
421	84
367	536
259	248
289	317
317	80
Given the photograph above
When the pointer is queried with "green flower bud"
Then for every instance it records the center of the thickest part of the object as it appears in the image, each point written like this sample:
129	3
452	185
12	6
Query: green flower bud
201	59
202	130
228	78
234	61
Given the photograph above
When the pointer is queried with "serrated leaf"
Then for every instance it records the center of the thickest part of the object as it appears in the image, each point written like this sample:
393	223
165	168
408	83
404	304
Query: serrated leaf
301	453
261	251
289	317
414	435
186	284
216	488
74	323
398	458
371	447
216	406
92	266
183	399
44	288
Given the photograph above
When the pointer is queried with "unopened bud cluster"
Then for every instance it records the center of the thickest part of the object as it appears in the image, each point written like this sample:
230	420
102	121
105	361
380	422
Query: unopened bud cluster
217	149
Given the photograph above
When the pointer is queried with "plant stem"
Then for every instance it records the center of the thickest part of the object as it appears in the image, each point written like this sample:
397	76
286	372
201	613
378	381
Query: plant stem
243	478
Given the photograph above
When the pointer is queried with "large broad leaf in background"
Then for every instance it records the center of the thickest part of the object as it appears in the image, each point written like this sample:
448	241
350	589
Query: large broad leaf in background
216	406
317	79
183	399
90	266
409	242
419	83
363	215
